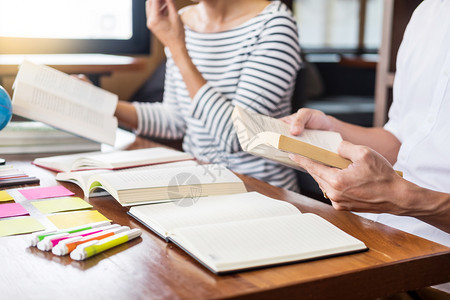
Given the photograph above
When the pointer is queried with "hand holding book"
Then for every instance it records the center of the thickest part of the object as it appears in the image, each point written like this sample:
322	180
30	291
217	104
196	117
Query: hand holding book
273	139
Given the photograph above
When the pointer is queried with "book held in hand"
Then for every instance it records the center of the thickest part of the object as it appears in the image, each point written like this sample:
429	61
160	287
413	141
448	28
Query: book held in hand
267	137
111	160
230	233
44	94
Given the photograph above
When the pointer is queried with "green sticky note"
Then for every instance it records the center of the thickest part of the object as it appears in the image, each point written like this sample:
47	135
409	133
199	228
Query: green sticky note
4	196
20	225
61	204
74	219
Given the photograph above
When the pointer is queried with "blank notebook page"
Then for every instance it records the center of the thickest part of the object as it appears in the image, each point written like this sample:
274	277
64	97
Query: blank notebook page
216	209
238	245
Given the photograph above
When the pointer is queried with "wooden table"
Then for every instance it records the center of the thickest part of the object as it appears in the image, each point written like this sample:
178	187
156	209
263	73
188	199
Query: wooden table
148	267
93	65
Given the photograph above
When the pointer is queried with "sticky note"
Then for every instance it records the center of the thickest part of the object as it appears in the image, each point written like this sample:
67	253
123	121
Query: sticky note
46	192
73	219
19	226
4	196
61	204
12	210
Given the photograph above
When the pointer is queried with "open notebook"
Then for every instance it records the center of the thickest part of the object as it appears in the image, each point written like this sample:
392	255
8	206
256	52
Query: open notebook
243	231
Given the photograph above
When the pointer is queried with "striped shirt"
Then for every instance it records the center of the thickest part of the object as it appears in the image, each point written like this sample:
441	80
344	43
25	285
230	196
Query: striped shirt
254	66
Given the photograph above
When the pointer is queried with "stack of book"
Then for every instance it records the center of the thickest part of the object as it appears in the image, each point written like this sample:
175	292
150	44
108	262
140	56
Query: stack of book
36	137
10	176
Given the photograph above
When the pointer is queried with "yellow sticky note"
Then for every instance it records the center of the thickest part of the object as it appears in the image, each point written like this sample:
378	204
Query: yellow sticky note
61	204
20	225
4	196
74	219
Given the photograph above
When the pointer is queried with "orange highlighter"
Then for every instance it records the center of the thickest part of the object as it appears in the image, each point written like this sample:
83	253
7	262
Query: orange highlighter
64	247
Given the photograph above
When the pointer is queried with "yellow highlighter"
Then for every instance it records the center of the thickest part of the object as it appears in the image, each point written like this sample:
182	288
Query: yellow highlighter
92	248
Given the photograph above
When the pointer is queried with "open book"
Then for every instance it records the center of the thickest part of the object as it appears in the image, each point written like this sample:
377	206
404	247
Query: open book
186	183
242	231
82	178
57	99
111	160
270	138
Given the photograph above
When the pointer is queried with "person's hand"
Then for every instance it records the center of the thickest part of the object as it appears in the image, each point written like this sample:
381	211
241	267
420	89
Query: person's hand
165	23
307	118
369	184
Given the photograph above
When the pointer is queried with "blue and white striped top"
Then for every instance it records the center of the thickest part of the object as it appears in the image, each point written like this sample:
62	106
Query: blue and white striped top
253	65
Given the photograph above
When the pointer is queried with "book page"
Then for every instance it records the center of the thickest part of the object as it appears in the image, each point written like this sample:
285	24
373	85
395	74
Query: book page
256	124
166	217
121	159
80	178
266	241
39	105
67	87
201	174
61	162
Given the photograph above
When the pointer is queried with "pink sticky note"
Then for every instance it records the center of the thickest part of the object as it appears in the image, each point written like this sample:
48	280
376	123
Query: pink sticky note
12	210
46	192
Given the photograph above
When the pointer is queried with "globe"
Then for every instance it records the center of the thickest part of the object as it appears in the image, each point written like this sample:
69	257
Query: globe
5	108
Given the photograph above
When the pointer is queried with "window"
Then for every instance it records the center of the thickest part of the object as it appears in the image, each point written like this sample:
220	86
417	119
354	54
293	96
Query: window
73	26
339	25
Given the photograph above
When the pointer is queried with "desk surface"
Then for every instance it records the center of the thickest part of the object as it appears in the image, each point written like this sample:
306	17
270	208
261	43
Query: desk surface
148	267
73	63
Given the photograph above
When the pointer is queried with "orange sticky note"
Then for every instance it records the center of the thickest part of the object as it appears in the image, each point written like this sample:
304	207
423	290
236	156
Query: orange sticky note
74	219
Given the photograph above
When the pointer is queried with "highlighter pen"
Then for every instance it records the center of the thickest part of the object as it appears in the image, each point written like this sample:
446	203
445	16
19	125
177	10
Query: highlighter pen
52	240
92	248
68	245
39	236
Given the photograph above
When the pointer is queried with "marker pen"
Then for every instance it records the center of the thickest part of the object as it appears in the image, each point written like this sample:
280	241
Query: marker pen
52	240
34	238
92	248
68	245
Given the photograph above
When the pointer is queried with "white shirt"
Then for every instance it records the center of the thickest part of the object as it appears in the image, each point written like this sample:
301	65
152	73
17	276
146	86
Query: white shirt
420	114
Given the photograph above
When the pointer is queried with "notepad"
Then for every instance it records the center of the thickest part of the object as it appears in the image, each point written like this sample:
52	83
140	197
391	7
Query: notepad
243	231
20	225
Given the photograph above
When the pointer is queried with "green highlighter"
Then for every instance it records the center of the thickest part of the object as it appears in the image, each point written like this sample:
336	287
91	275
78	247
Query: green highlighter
35	238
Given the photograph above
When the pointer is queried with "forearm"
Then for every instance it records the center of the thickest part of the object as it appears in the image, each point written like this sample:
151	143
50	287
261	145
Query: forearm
192	78
126	115
376	138
429	206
